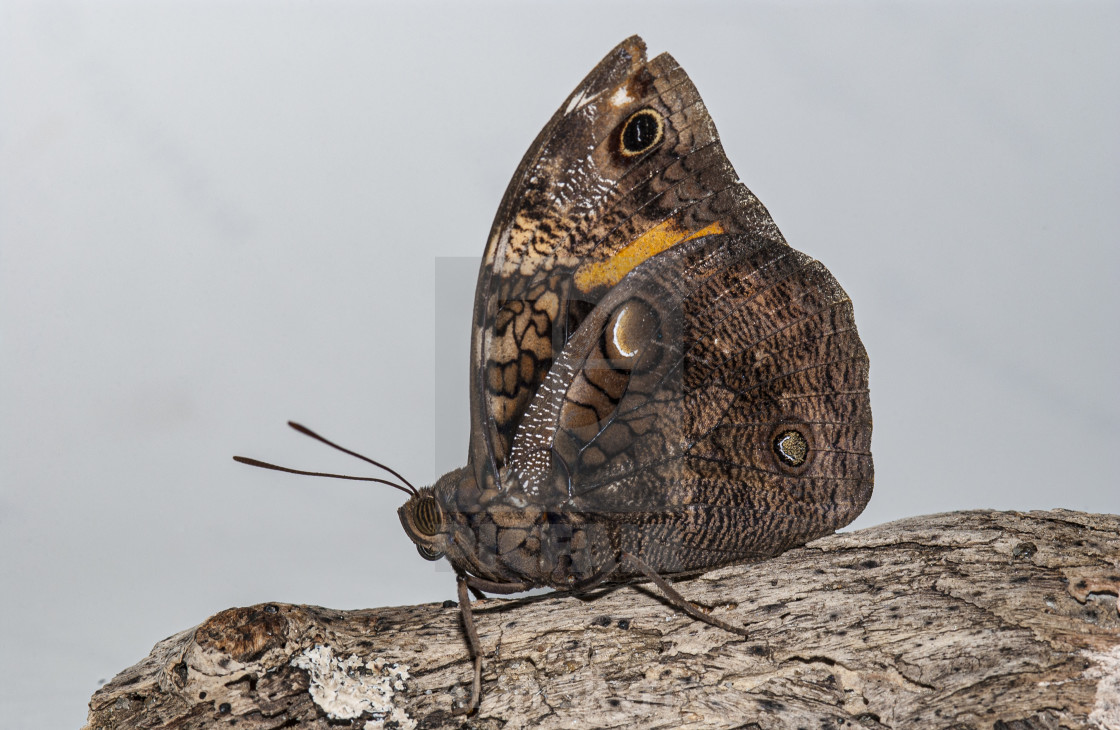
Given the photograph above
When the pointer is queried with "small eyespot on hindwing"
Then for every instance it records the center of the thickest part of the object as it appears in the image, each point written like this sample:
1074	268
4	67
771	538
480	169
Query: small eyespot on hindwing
632	330
791	447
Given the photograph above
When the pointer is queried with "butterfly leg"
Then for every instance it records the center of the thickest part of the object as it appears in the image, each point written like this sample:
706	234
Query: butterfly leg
472	639
675	598
477	585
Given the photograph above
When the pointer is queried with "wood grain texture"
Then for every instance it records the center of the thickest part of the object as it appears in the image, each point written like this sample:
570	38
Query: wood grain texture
959	620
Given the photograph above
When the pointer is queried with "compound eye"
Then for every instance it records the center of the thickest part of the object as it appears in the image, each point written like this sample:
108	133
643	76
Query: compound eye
427	517
641	132
428	553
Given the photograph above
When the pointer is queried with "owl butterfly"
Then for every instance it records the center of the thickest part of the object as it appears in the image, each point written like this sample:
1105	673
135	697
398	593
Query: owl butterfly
659	384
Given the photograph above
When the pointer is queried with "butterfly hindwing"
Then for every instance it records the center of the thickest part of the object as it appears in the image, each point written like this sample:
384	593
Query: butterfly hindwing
713	407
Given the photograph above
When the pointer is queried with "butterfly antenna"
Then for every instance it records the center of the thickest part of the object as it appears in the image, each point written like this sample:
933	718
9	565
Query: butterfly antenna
274	467
308	432
410	489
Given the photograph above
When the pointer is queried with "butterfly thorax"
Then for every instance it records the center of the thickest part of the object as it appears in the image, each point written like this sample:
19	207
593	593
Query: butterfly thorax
497	535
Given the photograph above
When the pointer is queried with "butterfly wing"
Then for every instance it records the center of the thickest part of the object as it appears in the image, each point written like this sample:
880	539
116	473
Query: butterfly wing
711	408
629	166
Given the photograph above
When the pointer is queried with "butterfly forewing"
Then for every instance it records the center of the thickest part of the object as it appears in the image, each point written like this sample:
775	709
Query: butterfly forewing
589	203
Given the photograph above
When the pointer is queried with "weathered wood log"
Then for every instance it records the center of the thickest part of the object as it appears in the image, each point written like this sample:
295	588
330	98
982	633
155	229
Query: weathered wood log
960	620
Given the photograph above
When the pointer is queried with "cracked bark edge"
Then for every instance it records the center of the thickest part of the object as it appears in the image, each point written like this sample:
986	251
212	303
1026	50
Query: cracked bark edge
981	619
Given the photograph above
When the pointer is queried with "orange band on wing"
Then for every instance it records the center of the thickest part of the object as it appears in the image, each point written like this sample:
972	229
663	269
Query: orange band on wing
595	274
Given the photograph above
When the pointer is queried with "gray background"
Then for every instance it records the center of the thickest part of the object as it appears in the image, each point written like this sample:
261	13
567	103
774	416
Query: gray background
218	217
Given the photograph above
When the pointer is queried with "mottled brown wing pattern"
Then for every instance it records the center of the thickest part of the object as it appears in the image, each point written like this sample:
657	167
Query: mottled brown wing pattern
713	408
581	212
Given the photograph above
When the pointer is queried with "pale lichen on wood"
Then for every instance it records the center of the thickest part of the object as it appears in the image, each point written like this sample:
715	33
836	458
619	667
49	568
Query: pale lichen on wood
350	688
963	620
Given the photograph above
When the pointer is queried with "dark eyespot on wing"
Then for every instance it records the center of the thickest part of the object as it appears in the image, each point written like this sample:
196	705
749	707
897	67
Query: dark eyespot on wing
643	131
791	447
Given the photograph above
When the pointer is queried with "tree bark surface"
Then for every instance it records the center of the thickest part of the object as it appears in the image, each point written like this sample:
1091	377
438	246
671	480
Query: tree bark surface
1003	620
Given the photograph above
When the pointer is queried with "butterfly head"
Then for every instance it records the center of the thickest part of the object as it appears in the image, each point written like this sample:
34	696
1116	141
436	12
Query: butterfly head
425	522
442	520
